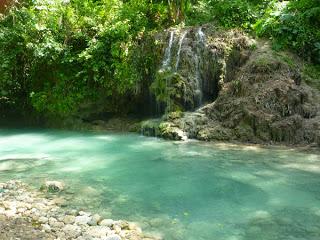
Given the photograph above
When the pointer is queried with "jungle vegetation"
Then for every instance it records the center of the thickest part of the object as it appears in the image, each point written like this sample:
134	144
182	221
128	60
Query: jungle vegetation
54	54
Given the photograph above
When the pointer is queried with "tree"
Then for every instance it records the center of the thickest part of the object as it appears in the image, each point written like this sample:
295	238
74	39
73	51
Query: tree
177	10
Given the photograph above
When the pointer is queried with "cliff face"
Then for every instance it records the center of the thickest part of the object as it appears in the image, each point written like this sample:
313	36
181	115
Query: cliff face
252	94
195	63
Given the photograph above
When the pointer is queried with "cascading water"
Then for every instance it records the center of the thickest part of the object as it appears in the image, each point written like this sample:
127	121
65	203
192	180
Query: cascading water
167	62
200	36
172	67
179	49
167	55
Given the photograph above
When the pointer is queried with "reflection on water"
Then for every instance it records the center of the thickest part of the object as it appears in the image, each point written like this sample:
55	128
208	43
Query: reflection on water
180	190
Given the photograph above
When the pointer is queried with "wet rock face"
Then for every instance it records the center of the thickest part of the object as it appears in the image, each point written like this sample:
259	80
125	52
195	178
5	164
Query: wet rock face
265	100
196	61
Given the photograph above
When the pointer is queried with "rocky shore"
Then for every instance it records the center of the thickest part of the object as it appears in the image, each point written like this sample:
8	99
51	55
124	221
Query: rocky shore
29	214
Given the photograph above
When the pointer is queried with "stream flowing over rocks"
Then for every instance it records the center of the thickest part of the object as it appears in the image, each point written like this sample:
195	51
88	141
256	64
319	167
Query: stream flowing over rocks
27	214
222	85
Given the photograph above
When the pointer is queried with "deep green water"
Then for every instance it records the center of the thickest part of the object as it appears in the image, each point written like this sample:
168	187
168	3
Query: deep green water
189	191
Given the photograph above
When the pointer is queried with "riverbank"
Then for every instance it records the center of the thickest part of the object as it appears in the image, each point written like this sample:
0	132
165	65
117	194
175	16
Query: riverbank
30	214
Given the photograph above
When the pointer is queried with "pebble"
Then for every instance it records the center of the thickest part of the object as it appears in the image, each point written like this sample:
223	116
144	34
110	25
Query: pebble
97	231
42	218
46	227
69	219
113	237
82	220
72	231
106	222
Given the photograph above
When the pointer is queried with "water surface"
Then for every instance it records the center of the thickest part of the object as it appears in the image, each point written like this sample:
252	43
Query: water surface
183	191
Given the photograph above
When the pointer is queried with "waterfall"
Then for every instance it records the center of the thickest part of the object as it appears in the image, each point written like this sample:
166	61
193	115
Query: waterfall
195	65
179	49
167	54
200	36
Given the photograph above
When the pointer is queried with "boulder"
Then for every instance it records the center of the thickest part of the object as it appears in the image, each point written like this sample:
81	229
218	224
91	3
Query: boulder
106	222
97	231
72	231
53	186
69	219
83	220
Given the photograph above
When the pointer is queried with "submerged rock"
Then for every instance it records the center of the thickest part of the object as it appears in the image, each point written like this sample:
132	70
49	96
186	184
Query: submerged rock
53	186
44	219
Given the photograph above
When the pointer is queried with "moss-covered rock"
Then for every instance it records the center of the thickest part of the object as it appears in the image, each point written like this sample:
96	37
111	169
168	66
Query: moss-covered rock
266	100
151	127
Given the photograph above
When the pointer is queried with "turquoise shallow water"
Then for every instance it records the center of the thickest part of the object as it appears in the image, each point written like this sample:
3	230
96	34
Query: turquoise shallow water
189	191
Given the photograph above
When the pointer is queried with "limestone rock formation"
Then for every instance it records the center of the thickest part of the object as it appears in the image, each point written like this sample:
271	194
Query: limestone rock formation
196	61
253	94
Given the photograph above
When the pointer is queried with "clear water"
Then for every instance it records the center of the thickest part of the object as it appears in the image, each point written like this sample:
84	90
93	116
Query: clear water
189	191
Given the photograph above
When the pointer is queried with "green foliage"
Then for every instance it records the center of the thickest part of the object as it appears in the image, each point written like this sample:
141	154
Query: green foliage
311	75
229	13
291	24
294	24
56	55
170	88
234	13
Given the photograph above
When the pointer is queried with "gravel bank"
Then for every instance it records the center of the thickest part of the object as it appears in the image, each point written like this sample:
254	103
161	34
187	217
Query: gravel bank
28	214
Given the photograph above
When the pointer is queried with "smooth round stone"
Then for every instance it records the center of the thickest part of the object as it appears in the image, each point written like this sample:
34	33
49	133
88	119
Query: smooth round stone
10	213
72	231
52	220
43	219
61	235
97	231
46	228
57	225
117	228
113	237
82	213
92	223
82	220
69	219
106	222
21	210
2	210
96	217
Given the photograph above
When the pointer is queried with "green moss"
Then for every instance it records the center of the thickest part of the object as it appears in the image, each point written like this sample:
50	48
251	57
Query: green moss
285	58
151	127
311	75
169	88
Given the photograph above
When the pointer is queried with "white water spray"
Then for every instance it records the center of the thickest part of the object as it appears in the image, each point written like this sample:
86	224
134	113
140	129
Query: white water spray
201	38
167	54
179	49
